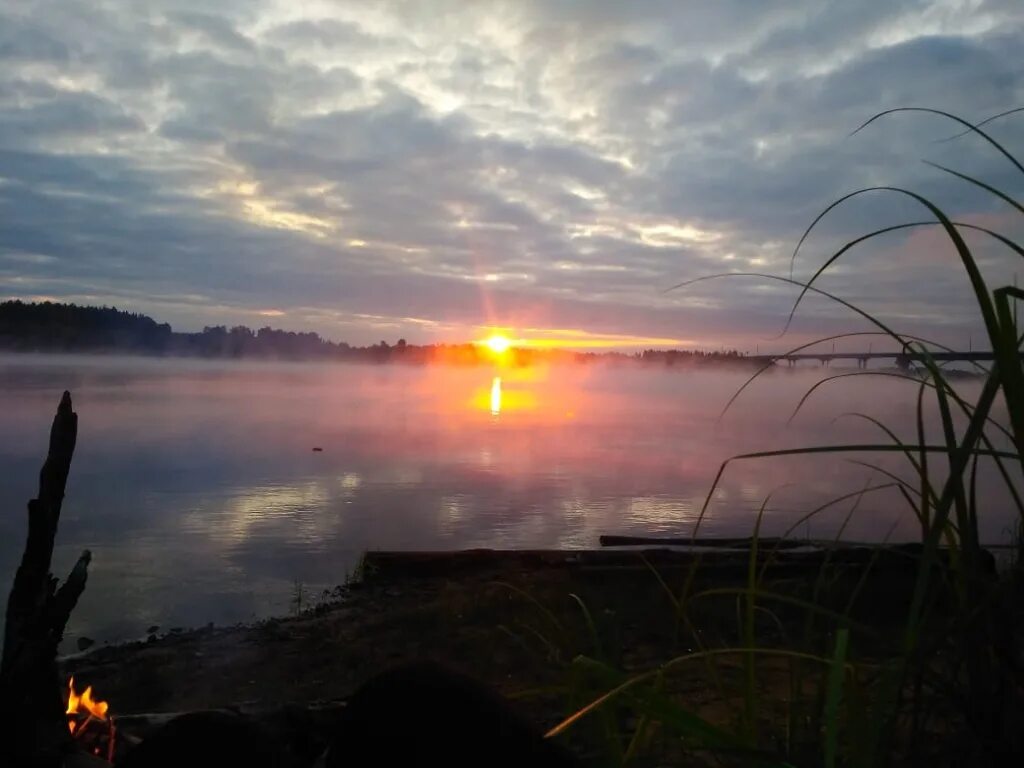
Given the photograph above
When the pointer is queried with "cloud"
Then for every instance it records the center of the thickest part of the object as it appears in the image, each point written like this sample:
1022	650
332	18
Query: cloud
429	168
21	41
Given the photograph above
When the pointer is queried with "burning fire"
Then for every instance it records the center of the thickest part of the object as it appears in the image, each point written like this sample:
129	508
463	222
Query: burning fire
83	704
84	711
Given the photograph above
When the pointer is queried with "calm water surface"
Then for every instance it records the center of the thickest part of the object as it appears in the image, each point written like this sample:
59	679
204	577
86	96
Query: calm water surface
196	487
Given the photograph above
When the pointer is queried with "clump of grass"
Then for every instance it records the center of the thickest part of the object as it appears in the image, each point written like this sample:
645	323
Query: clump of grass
299	600
946	684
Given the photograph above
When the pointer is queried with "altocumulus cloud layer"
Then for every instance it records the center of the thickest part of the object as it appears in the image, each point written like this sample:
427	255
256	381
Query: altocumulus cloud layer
374	170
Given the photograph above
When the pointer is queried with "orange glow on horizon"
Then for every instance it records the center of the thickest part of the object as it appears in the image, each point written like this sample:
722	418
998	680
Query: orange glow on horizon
601	342
501	341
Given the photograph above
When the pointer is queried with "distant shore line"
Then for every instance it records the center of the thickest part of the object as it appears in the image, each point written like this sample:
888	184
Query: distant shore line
53	328
67	329
619	361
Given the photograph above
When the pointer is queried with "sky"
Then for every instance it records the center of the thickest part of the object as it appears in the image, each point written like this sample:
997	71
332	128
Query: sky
429	170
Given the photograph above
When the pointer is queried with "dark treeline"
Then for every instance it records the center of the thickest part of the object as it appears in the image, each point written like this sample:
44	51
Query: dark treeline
52	327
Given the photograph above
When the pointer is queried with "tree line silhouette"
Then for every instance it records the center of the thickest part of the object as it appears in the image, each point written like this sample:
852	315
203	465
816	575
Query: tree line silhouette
56	327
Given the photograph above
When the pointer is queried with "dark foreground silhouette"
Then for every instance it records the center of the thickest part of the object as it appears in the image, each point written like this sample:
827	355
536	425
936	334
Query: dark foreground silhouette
417	714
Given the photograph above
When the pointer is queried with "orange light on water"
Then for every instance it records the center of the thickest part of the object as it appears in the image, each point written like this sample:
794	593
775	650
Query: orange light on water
496	396
507	395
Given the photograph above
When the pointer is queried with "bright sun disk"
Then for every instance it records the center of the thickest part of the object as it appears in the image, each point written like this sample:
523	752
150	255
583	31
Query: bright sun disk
498	344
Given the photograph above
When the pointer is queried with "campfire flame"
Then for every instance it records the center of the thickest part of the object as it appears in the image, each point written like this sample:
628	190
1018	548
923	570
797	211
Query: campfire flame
84	703
83	710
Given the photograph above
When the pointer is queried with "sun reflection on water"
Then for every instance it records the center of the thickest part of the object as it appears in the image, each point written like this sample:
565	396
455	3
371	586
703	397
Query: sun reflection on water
516	392
496	396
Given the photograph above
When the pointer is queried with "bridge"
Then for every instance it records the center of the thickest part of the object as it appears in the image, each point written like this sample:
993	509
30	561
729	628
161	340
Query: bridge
902	359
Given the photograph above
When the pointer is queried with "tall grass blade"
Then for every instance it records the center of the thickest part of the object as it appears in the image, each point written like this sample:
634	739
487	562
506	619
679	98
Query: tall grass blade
978	183
833	697
595	636
977	281
750	693
970	128
986	121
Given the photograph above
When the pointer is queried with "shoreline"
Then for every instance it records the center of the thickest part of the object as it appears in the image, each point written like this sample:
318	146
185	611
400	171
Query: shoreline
488	612
620	361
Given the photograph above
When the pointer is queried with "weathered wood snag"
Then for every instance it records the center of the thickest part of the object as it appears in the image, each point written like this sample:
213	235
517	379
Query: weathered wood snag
33	729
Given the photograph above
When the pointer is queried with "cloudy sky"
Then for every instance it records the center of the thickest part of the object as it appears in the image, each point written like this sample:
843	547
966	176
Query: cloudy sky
373	170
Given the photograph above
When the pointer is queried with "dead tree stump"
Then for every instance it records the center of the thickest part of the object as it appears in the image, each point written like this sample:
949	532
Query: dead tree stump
33	728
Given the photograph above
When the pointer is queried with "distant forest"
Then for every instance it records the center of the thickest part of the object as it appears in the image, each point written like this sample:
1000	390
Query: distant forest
53	327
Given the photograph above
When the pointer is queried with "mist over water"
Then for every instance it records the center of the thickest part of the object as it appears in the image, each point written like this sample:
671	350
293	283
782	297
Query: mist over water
196	487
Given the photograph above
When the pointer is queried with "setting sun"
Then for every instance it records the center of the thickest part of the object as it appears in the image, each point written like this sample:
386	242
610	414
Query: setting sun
498	344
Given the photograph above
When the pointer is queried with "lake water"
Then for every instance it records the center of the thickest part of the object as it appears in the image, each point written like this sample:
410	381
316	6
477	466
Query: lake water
196	487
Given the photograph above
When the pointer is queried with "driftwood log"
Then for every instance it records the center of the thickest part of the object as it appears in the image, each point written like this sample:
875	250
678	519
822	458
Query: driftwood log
301	731
33	728
746	543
